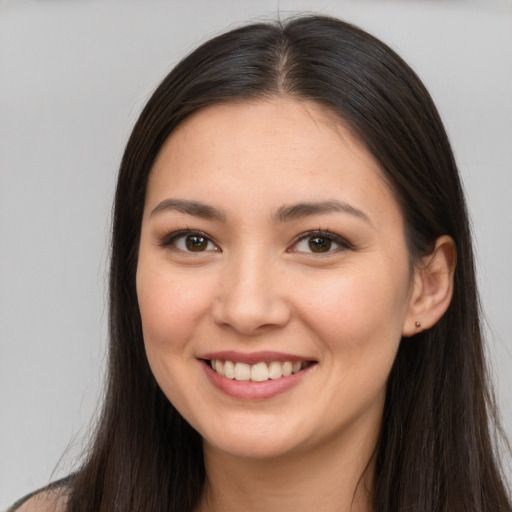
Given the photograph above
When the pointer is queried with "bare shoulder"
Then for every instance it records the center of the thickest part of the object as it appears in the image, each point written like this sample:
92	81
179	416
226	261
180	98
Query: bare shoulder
50	500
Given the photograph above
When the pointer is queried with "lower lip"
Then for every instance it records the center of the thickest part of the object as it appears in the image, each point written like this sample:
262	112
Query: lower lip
250	390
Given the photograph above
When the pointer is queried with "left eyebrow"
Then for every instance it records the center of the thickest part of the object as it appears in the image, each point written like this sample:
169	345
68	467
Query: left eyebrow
195	208
300	210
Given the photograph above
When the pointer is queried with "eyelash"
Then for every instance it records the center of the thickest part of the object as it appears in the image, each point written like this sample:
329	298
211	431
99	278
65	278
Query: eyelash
342	243
171	239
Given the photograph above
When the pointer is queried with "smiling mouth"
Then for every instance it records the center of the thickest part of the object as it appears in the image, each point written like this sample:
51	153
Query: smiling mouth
259	372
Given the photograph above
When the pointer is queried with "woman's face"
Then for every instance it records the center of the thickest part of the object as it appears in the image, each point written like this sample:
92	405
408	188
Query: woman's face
271	244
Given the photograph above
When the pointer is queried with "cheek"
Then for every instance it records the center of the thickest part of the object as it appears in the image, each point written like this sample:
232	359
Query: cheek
171	307
356	322
361	309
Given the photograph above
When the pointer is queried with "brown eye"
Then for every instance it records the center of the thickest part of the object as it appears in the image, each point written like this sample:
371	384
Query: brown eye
196	243
319	244
189	241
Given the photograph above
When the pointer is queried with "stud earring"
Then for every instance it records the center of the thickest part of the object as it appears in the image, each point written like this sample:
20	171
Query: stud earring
417	324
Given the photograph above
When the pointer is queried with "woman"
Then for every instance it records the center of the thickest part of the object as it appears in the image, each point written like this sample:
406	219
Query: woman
293	310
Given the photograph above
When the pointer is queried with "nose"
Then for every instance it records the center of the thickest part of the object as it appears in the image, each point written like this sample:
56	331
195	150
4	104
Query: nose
251	296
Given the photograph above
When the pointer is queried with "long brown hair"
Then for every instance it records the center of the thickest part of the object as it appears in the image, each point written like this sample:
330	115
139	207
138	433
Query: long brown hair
436	450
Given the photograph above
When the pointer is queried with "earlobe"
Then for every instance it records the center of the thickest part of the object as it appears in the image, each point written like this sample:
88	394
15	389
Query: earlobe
432	287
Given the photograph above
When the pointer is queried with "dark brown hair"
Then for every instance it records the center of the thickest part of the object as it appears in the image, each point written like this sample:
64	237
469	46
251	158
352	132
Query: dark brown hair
436	450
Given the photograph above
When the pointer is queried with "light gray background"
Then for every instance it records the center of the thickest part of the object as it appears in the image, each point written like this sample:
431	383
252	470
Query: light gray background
73	77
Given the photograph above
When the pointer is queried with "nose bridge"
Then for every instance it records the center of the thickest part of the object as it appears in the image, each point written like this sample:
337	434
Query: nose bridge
250	296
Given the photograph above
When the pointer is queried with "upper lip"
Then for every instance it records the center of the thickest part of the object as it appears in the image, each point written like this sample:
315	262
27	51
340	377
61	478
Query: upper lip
253	357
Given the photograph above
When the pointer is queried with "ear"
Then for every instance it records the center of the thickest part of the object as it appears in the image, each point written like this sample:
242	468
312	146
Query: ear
432	287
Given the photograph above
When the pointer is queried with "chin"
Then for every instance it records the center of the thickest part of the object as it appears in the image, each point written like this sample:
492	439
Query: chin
253	447
251	440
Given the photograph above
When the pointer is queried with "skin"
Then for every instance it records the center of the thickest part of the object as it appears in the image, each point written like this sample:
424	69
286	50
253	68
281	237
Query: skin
257	287
46	501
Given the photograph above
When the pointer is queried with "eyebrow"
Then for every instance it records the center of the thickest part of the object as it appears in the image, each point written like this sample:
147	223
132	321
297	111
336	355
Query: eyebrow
284	214
300	210
194	208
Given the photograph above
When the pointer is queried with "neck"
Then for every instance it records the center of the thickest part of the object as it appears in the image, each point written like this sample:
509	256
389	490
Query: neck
334	477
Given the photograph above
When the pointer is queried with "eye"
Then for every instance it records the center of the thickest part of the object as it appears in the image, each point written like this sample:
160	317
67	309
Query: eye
189	241
320	242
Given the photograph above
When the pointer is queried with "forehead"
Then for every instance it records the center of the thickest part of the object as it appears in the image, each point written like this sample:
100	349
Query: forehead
273	120
279	150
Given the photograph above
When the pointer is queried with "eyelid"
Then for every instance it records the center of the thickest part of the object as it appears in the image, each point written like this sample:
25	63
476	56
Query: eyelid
169	239
342	242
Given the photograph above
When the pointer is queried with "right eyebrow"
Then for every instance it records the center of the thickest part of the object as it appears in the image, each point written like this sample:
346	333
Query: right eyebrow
195	208
301	210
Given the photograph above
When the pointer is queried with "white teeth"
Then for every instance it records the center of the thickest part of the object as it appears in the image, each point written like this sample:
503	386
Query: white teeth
259	372
275	370
242	371
287	369
229	369
219	367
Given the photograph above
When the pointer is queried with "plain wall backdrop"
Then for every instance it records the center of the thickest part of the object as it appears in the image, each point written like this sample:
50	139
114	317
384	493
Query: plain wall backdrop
73	77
